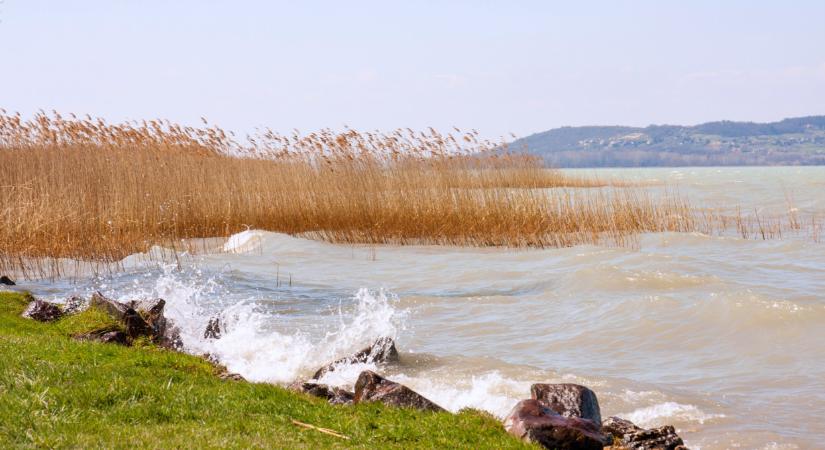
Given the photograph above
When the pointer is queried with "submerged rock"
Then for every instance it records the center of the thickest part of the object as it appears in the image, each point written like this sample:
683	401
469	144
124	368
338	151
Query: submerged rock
42	311
333	395
213	329
7	281
372	387
630	436
533	422
381	351
568	400
106	336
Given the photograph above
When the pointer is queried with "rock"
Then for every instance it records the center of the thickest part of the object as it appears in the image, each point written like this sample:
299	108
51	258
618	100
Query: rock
74	305
664	438
381	351
372	387
231	376
618	427
7	281
630	436
152	313
106	336
213	329
135	324
334	395
531	421
43	311
569	400
114	308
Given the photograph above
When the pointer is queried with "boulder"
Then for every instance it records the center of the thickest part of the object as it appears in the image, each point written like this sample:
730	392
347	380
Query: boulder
372	387
213	329
141	318
136	325
333	395
43	311
629	436
7	281
569	400
618	427
152	312
106	336
381	351
114	308
533	422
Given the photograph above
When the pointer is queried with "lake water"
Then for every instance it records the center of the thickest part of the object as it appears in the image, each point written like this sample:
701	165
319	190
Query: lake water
719	336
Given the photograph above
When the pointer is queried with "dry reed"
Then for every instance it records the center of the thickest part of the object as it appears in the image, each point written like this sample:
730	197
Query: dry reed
87	190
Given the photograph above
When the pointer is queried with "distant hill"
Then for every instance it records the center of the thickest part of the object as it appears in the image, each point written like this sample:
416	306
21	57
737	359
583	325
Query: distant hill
797	141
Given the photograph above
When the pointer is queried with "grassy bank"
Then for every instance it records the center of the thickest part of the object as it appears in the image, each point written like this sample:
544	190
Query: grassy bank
56	392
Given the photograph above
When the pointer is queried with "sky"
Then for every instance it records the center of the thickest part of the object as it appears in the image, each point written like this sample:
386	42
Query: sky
499	67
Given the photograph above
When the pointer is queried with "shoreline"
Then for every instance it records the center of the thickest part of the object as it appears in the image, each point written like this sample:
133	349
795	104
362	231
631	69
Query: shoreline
556	416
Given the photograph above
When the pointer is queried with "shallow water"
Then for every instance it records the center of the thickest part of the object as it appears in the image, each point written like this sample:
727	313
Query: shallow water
719	336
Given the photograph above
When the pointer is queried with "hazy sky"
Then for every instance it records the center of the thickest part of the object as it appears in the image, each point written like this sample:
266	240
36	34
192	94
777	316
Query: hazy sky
500	67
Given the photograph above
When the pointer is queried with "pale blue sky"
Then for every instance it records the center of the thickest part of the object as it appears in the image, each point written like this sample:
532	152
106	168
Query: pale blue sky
500	67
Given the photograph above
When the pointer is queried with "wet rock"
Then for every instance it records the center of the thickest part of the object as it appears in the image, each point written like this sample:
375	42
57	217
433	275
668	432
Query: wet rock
43	311
569	400
152	312
381	351
531	421
372	387
629	436
213	329
618	427
135	324
662	438
7	281
114	308
334	395
106	336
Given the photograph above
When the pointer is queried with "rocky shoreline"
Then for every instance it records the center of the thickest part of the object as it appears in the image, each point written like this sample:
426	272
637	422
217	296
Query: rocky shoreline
556	416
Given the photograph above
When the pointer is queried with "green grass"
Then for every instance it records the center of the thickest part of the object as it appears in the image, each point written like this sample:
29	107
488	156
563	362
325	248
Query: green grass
57	392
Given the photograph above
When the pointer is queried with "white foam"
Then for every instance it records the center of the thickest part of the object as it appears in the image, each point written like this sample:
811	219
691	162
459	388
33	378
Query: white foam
243	242
489	392
249	347
662	413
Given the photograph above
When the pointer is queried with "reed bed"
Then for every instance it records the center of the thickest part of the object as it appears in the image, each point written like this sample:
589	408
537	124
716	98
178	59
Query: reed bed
83	189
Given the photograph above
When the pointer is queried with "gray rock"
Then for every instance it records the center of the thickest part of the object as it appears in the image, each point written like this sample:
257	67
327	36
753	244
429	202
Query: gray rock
106	336
333	395
7	281
381	351
74	305
231	376
533	422
372	387
213	329
43	311
569	400
114	308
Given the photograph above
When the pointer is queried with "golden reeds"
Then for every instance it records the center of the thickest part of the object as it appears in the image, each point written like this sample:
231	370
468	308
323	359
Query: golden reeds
84	189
